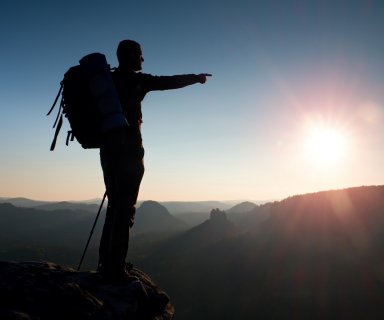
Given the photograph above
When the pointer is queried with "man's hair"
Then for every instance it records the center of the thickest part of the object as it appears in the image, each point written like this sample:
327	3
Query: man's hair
125	48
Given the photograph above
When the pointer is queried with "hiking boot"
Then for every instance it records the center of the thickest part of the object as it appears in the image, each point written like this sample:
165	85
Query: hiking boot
116	275
121	276
128	266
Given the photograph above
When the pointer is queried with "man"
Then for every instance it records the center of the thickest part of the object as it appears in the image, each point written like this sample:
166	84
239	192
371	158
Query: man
122	152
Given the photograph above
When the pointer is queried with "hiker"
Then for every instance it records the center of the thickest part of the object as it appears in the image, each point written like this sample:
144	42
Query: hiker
122	152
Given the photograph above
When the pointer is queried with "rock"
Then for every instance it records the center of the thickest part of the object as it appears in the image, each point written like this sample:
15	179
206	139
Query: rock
218	215
47	291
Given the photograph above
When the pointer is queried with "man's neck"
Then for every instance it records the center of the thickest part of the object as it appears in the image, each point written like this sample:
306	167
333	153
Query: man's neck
126	68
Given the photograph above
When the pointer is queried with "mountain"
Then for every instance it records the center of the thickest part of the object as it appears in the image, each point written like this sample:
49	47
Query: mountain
56	222
193	219
213	230
179	207
65	205
23	202
189	249
193	213
33	234
60	234
89	205
242	207
313	256
25	224
152	217
181	262
242	213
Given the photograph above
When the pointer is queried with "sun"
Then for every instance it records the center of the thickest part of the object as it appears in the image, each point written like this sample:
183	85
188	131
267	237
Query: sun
326	145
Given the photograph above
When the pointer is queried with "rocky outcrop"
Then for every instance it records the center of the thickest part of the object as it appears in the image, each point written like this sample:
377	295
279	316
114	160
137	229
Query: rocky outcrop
47	291
217	215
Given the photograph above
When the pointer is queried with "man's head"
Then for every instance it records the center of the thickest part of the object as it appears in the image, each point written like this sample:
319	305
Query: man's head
129	55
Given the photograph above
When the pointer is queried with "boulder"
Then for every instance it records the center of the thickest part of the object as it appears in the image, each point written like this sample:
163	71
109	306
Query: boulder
47	291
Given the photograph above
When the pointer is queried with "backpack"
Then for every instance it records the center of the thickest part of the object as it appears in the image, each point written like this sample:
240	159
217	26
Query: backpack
89	101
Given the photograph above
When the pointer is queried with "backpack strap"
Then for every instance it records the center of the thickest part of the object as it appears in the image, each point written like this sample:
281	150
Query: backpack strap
59	124
59	112
70	136
59	118
57	98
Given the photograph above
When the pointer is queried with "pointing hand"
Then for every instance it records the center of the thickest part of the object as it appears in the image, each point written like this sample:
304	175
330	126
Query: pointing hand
203	77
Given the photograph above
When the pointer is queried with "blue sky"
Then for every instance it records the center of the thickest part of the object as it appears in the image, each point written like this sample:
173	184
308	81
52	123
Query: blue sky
286	74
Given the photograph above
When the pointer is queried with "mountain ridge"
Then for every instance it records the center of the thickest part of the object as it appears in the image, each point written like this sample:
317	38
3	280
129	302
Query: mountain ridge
174	207
319	254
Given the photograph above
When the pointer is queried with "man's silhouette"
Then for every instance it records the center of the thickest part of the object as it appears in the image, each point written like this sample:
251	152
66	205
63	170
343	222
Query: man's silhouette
122	153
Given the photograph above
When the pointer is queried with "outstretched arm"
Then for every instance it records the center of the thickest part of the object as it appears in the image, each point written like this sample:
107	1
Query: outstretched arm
173	82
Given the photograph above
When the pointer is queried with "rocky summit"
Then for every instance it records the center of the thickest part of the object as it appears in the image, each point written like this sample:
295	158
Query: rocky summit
47	291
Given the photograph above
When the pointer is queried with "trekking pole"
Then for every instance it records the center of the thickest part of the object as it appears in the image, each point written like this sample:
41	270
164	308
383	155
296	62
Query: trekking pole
93	228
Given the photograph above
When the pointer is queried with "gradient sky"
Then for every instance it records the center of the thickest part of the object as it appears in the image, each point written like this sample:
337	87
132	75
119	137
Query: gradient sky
282	70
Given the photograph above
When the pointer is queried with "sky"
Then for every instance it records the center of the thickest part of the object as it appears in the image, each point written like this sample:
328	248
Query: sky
295	104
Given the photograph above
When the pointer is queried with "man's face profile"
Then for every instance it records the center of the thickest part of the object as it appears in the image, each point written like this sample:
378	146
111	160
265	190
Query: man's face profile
137	59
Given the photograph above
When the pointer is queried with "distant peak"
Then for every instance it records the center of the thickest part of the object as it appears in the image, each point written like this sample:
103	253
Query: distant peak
243	207
217	214
150	203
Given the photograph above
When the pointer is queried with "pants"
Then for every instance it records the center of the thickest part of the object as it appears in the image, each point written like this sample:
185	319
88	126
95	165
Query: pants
123	169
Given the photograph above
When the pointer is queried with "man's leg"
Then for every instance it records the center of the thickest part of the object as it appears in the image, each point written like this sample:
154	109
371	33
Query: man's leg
127	189
122	177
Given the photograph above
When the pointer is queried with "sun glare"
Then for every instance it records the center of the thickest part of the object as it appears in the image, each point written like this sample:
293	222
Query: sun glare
326	146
